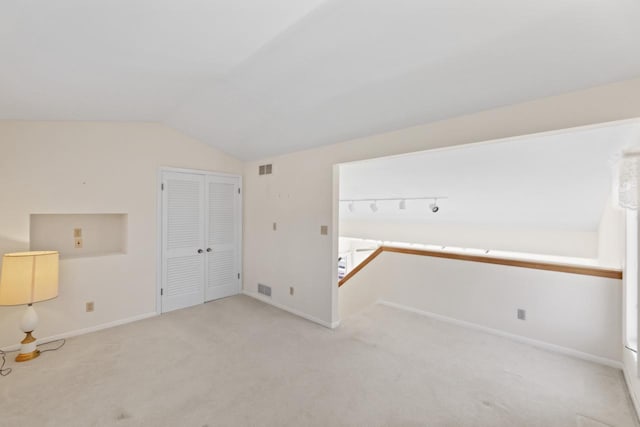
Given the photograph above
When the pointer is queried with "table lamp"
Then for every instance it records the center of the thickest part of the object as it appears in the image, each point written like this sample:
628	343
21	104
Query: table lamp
28	277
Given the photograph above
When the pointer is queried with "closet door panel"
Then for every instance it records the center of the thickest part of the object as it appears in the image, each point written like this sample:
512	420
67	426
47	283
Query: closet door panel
223	237
183	228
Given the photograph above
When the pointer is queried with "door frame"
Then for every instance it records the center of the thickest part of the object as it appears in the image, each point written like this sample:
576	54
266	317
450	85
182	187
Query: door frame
159	249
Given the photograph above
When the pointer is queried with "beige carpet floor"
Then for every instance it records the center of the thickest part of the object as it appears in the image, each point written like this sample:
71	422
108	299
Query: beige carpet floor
240	362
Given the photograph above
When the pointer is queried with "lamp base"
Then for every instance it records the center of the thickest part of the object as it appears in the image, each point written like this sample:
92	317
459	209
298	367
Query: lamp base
28	350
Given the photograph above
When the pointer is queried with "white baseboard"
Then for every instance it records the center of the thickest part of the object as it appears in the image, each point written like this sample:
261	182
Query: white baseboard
83	331
540	344
268	300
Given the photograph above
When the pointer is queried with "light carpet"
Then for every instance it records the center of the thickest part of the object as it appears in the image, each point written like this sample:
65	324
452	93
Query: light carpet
240	362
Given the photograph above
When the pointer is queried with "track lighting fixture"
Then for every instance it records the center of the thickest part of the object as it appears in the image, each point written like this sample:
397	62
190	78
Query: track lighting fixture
402	202
434	206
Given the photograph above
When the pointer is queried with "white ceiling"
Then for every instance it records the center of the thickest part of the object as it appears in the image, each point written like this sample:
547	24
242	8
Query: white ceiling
262	77
555	181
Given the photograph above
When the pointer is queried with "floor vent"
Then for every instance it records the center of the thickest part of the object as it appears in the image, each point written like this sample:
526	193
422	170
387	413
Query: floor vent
264	289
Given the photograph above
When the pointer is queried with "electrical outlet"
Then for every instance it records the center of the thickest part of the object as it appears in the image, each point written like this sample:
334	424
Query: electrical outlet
77	243
324	230
522	314
290	290
89	307
77	233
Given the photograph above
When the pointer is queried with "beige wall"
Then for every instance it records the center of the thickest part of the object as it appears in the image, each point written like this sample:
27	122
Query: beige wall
300	194
85	167
65	167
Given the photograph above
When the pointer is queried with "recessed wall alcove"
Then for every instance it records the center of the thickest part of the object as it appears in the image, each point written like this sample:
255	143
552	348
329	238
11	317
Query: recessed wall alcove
79	235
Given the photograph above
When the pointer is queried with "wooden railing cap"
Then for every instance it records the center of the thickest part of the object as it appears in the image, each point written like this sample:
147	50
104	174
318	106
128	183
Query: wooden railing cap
537	265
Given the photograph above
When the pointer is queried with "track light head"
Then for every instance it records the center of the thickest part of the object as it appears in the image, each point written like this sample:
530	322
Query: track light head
402	202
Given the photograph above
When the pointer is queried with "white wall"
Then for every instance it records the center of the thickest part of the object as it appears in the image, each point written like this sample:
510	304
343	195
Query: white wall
300	194
611	236
356	250
86	167
364	289
577	312
550	242
606	244
630	305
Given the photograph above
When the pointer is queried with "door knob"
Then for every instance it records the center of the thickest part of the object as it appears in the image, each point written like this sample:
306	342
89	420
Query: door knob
200	251
208	249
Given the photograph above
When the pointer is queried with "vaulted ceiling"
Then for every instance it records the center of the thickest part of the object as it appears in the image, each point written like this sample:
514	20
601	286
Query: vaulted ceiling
262	77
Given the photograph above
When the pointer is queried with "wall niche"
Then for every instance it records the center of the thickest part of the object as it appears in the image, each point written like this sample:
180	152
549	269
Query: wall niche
79	235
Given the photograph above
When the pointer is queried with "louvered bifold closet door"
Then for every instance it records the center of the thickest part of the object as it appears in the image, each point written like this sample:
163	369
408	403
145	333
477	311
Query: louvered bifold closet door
183	231
223	242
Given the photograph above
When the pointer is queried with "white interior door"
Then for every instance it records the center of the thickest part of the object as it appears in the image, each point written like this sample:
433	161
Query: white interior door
223	237
183	240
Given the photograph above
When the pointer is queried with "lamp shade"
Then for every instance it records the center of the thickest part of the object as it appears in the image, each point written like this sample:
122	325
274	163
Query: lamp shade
28	277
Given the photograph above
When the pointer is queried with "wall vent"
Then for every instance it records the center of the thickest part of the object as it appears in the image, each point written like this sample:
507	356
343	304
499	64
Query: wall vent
264	289
265	169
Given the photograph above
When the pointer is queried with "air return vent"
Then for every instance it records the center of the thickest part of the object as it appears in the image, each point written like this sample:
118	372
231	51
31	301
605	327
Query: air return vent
265	169
264	289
